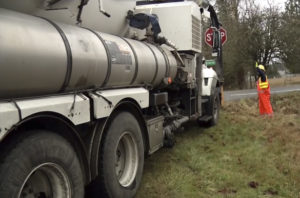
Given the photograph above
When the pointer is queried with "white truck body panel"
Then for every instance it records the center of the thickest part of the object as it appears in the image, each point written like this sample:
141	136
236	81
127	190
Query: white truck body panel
75	108
8	117
180	23
101	99
212	78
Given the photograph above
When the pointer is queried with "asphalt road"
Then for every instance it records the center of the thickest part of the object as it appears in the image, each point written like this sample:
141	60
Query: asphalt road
250	93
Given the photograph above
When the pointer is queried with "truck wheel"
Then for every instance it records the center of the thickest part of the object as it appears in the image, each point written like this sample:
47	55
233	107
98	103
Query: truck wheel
214	108
122	157
40	164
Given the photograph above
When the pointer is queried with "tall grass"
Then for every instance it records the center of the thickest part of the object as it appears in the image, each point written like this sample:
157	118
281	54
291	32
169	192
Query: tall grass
245	155
283	81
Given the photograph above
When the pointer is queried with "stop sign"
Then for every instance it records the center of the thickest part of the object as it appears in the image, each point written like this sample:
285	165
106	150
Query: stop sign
209	36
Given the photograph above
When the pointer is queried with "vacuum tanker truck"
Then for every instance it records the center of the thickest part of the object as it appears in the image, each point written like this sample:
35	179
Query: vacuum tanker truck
88	88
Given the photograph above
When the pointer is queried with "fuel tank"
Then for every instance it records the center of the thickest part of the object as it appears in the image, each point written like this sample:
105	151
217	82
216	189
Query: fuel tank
39	56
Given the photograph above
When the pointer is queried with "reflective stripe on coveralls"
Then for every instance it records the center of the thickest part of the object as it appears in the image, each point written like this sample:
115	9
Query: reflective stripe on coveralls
265	107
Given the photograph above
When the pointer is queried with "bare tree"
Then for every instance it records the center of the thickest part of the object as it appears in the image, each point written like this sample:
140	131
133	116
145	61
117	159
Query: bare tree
289	34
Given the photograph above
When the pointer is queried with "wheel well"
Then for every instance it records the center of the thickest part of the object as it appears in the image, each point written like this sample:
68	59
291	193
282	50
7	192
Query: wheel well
55	123
132	106
128	105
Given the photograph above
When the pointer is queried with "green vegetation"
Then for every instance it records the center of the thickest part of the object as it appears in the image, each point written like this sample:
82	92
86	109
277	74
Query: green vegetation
245	155
266	34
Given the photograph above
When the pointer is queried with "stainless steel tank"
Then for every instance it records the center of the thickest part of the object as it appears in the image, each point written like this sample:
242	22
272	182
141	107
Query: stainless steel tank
39	56
66	11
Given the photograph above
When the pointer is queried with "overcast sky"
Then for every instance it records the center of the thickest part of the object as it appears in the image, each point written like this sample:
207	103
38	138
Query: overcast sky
264	3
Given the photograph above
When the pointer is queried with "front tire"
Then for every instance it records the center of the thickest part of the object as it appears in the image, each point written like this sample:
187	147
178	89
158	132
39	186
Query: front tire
214	108
122	157
211	110
40	164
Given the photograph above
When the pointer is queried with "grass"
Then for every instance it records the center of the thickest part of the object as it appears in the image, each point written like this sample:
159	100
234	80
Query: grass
279	82
245	155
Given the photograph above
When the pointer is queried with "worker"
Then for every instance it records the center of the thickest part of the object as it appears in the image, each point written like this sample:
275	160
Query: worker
263	89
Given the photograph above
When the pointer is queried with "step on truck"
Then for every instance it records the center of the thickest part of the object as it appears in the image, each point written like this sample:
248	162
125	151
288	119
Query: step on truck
88	88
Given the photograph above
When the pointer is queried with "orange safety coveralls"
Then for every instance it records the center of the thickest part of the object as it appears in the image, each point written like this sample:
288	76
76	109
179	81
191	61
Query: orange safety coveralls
265	107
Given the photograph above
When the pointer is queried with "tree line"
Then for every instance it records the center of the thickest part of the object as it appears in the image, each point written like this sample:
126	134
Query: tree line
258	34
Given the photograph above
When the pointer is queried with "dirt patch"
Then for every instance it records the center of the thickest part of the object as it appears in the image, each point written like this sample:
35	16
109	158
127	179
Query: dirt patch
253	184
271	191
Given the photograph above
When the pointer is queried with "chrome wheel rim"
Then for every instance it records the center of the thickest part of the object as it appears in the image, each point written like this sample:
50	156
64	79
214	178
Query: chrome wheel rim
126	161
46	181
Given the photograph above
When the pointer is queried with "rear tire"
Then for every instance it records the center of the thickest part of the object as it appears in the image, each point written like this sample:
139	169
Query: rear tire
40	164
122	157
